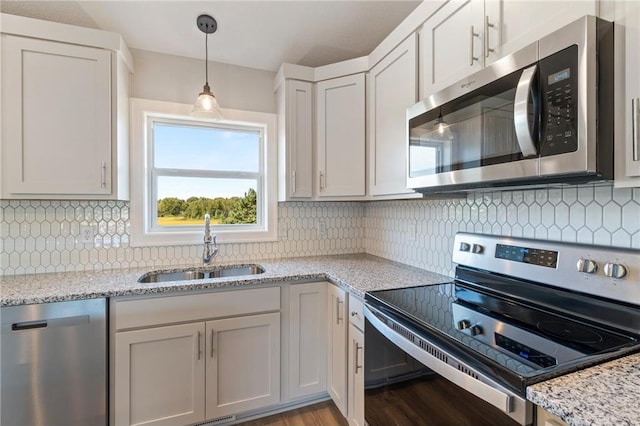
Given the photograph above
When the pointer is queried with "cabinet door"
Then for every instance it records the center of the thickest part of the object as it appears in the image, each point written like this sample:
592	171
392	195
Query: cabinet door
307	339
511	25
451	44
356	377
632	102
296	139
337	347
56	118
243	364
393	87
159	375
341	136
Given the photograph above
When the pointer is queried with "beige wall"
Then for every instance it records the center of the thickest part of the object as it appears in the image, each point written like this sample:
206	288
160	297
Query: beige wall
178	79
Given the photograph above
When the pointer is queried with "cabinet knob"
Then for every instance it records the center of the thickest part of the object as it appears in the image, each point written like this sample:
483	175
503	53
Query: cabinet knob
587	266
615	270
354	314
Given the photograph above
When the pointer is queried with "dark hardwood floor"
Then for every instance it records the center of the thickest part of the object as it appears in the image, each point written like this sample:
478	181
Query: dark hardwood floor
321	414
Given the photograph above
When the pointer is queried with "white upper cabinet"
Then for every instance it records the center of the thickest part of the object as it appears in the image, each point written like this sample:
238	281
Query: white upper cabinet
295	139
341	137
64	106
466	35
451	44
392	88
628	93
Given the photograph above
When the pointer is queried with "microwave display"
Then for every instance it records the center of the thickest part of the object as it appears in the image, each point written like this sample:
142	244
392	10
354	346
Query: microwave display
559	76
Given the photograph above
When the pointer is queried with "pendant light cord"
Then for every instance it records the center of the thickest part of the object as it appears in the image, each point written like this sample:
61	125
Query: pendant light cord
206	58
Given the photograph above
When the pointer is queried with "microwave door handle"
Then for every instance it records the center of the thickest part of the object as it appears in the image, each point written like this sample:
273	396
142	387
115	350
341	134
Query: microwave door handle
521	112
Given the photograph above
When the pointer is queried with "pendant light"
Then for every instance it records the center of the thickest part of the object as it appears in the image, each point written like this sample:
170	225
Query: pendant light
206	106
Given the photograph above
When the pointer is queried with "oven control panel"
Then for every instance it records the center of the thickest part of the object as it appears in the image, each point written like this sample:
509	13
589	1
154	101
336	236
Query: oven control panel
609	272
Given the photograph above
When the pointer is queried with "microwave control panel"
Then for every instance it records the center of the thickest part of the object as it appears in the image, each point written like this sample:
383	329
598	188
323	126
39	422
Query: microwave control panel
559	102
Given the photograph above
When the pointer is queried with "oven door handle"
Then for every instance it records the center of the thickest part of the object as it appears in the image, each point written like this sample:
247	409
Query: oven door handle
521	112
491	395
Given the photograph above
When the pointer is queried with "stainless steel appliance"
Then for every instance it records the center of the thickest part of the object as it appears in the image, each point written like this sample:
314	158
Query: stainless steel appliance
541	115
518	312
54	364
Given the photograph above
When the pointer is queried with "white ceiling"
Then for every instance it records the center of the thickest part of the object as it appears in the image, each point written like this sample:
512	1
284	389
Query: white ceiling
257	34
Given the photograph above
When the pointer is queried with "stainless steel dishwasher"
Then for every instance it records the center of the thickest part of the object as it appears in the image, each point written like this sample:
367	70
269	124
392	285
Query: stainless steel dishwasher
54	364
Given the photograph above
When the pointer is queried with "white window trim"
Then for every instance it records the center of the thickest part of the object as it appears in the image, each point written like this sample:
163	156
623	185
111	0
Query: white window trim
142	232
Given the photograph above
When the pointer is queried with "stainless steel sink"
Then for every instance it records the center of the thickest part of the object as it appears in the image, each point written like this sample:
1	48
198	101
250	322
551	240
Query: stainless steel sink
192	274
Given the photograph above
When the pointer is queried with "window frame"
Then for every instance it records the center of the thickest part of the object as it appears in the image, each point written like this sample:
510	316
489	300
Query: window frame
143	205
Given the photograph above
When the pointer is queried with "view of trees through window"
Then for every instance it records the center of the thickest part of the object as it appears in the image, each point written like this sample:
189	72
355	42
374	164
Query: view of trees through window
206	169
173	211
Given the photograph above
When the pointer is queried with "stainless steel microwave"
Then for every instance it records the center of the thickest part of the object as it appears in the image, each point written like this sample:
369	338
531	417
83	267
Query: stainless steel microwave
541	115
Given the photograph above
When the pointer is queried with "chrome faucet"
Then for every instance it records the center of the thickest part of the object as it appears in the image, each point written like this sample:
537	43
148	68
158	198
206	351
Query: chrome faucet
210	247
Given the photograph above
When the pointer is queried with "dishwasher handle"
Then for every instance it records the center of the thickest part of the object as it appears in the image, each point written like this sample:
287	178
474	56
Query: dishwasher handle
28	325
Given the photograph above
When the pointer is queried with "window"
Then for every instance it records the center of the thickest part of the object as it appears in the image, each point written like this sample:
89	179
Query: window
184	168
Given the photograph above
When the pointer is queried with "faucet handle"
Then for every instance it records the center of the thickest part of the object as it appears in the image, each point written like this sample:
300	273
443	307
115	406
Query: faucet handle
214	240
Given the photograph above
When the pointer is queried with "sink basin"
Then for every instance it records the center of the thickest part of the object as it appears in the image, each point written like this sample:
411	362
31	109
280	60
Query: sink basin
191	274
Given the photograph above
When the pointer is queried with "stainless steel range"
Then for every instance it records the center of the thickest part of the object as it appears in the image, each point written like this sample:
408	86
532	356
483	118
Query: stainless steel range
518	312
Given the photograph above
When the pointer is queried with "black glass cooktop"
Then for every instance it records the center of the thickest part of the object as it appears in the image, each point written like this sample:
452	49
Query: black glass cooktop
525	341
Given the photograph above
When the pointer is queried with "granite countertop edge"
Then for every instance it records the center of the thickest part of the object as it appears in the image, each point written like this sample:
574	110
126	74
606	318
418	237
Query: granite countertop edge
602	395
357	273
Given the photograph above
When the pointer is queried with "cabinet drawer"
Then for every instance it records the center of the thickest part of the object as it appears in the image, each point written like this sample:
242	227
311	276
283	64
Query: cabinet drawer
147	312
356	314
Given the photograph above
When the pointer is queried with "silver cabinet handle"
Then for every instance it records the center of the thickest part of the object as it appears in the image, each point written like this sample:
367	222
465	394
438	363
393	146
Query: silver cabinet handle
103	174
293	182
357	349
487	47
473	58
338	302
212	346
521	112
199	345
321	181
635	128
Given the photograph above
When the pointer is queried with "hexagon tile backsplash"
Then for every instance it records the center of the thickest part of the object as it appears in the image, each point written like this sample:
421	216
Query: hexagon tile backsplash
43	236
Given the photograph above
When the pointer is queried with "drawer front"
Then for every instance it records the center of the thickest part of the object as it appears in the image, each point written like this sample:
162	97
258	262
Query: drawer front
356	315
149	312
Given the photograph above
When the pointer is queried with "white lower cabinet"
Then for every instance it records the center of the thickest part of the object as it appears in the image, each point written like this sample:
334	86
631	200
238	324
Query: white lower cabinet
355	385
194	368
337	347
160	376
307	339
243	364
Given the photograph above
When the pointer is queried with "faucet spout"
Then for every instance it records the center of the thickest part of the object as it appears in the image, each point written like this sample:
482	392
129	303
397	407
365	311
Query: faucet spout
210	246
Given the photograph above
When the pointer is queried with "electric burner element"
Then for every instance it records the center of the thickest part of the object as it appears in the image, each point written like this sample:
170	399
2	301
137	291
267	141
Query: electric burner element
570	332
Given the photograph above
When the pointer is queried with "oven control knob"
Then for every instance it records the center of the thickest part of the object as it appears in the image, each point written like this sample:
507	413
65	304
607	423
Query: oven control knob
615	270
587	266
477	248
475	330
465	247
463	324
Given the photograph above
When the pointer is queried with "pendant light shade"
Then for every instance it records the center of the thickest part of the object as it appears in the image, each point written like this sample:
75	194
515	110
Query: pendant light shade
206	106
442	132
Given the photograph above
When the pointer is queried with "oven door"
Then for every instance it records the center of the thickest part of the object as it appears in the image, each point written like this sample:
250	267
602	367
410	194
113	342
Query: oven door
412	381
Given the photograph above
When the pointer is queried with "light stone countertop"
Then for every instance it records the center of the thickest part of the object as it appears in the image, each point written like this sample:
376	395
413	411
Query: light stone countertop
607	394
358	273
